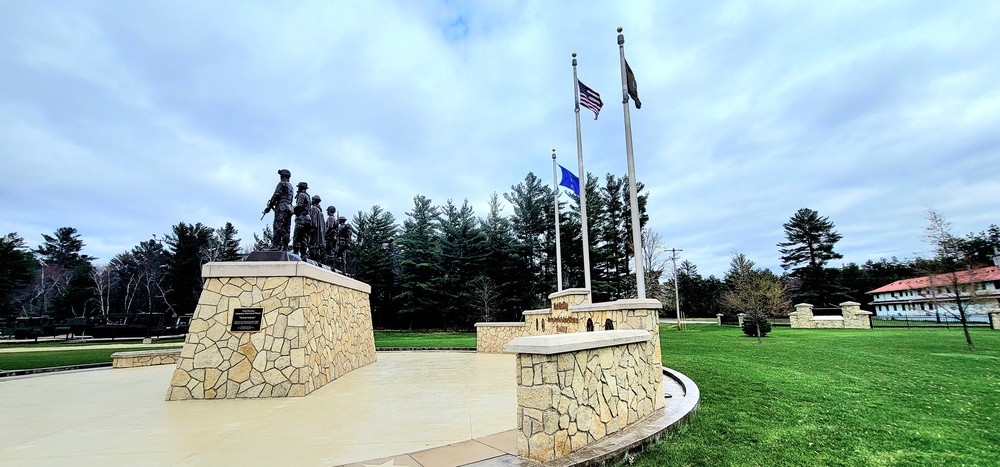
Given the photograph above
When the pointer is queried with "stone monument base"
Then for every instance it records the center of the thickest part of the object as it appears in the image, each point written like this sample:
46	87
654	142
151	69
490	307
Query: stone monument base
273	329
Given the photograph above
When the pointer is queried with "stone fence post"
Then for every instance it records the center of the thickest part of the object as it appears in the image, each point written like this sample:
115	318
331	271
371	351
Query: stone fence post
739	318
801	316
718	317
995	320
854	317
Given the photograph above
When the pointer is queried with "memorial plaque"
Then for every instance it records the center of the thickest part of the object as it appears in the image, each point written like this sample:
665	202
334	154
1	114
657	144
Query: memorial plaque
246	319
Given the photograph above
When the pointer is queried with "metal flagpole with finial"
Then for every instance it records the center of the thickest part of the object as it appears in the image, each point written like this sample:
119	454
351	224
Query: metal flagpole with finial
555	200
583	188
640	282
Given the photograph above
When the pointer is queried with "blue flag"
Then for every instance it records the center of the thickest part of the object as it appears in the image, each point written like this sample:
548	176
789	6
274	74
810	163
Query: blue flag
570	181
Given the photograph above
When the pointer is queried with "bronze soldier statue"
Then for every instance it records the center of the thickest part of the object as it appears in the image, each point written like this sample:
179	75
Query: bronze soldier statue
343	242
331	233
317	241
281	203
303	220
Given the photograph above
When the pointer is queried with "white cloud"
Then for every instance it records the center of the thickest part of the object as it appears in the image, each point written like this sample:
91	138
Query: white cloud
122	120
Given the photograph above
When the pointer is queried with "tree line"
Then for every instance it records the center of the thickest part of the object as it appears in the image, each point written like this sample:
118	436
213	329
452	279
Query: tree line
807	278
445	267
442	266
158	277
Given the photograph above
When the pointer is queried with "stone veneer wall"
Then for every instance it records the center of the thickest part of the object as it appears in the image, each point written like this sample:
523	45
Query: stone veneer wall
145	358
316	327
570	399
852	317
569	313
492	337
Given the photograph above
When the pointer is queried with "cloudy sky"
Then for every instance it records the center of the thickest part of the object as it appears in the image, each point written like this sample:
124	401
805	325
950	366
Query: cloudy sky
122	119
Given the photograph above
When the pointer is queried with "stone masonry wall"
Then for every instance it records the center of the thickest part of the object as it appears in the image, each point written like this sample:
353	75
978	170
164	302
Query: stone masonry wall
312	332
568	400
491	337
852	317
145	358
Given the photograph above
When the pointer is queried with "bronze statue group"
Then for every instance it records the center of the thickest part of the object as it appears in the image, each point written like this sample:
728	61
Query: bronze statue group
317	238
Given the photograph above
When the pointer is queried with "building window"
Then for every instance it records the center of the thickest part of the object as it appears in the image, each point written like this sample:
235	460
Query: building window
609	325
590	325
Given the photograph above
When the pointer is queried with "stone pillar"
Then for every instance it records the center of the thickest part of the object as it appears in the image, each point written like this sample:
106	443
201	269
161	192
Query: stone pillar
995	320
570	297
560	320
739	319
272	329
718	318
854	317
801	316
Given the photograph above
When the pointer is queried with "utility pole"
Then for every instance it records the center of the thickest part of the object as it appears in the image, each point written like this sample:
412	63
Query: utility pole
677	293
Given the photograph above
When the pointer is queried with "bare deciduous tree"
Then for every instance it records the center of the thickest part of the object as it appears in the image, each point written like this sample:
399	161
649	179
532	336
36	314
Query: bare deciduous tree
485	295
951	268
757	293
654	258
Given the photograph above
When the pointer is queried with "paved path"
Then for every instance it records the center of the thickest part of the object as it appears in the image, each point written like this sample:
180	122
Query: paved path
404	403
412	409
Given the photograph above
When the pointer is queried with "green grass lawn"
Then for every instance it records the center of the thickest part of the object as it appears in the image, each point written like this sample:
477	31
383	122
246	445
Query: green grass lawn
835	397
32	345
32	360
425	339
80	355
803	397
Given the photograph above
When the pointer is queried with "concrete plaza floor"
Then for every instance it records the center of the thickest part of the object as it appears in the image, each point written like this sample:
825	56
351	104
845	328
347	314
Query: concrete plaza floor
406	402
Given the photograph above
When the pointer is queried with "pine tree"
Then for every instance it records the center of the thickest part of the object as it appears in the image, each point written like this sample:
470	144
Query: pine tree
374	259
229	243
264	241
17	269
809	246
420	263
611	261
462	253
530	201
185	255
503	268
65	275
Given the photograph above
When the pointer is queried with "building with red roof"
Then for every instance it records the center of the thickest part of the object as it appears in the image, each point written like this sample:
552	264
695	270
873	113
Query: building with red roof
935	296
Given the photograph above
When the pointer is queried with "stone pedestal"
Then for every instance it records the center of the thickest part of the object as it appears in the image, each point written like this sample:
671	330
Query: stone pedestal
314	326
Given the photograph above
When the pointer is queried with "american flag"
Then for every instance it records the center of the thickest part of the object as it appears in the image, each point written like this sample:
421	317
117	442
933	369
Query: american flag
590	99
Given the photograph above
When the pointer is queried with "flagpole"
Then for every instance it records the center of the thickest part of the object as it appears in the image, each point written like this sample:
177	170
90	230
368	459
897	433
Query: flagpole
583	189
640	282
555	200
